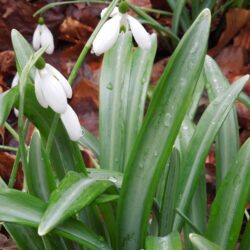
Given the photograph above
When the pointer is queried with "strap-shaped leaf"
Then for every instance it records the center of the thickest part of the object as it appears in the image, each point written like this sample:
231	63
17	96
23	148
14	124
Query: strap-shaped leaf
7	101
74	193
201	243
24	209
170	242
154	143
201	142
227	141
228	208
39	175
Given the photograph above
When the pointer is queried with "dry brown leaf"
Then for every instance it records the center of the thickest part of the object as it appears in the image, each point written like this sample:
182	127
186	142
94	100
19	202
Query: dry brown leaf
74	31
85	103
243	116
6	163
243	39
236	19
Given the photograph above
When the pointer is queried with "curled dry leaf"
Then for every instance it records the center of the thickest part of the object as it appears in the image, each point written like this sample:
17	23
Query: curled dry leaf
74	31
243	116
85	104
243	39
236	19
6	163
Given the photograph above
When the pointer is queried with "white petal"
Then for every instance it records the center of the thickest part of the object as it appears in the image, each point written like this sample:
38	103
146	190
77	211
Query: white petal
54	93
36	41
71	124
63	81
15	80
140	35
16	112
47	39
107	35
113	13
38	91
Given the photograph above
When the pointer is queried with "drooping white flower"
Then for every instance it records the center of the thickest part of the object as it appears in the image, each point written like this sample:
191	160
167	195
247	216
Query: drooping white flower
52	89
71	124
109	32
43	37
14	83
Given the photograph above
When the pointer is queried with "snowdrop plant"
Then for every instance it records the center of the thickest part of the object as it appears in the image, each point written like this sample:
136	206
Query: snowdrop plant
43	37
120	21
149	185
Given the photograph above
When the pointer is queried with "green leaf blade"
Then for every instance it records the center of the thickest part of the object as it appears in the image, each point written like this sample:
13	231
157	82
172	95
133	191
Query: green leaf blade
157	135
74	193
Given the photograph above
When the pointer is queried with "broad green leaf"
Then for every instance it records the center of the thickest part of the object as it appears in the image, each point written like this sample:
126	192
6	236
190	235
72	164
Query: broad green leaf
201	142
227	141
90	141
135	91
65	154
7	101
170	194
116	67
201	243
74	193
177	14
228	208
245	99
25	237
24	209
154	143
104	174
170	242
39	176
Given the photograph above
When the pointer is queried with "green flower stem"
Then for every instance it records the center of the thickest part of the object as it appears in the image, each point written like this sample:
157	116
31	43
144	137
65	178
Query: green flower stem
8	148
14	171
156	11
77	66
53	5
12	131
154	23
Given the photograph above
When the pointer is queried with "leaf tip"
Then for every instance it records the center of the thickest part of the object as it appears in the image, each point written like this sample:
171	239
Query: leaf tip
41	230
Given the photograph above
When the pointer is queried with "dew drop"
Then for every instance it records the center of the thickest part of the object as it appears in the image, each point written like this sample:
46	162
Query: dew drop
109	86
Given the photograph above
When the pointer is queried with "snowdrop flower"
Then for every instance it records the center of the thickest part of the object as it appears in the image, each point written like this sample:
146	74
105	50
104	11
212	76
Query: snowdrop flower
52	89
43	37
119	20
14	84
71	124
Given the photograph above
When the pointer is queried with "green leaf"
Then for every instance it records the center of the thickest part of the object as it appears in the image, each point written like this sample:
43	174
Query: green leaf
7	101
170	242
116	64
74	193
227	141
154	143
25	237
135	91
39	175
90	141
65	154
24	209
244	244
201	243
105	174
228	208
201	142
170	194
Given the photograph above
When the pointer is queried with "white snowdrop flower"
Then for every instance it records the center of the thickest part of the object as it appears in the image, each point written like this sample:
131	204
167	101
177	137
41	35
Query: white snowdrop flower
109	32
52	89
71	124
14	84
43	37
